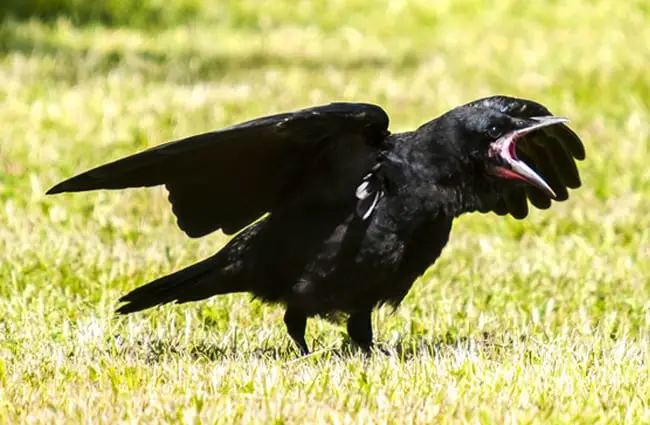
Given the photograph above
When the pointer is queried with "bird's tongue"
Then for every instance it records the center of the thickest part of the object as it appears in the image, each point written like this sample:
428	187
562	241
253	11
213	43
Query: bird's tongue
511	167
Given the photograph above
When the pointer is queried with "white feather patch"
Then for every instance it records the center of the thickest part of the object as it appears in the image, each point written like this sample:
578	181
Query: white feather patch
368	193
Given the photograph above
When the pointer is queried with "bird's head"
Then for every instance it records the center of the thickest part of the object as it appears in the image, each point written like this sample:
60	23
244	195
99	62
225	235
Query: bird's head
516	150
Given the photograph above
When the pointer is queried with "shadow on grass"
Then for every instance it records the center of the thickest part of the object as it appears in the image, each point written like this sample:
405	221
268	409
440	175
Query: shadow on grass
77	60
155	351
139	13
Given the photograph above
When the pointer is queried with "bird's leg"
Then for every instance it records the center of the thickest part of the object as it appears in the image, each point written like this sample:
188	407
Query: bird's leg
360	329
296	321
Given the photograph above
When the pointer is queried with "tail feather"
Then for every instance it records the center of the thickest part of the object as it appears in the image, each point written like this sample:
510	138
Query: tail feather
199	281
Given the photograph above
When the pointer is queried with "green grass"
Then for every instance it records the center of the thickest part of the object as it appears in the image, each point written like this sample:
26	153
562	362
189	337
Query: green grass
545	320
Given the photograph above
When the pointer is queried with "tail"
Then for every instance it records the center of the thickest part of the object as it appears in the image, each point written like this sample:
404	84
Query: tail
199	281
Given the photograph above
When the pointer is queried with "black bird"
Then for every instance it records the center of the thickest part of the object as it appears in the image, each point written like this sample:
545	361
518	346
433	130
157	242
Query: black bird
356	213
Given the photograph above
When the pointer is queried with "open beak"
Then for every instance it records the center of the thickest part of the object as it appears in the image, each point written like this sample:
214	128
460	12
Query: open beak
510	167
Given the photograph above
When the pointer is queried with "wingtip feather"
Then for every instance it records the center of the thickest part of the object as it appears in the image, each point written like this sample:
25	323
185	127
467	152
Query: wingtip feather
53	190
70	185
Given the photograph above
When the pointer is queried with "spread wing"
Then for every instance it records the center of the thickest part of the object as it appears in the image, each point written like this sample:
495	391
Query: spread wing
552	152
226	179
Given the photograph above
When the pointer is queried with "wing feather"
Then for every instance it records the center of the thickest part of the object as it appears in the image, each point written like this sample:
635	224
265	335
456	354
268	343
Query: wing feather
228	178
552	152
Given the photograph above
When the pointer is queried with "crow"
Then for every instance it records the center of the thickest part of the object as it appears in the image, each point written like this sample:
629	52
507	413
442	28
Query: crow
334	214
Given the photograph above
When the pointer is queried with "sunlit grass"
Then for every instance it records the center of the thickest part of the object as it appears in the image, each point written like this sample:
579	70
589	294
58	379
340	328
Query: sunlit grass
538	321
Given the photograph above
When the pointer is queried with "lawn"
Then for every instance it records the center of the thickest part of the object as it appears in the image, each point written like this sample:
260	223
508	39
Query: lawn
545	320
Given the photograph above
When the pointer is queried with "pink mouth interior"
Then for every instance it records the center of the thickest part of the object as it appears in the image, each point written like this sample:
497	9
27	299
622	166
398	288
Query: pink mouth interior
511	148
507	148
507	174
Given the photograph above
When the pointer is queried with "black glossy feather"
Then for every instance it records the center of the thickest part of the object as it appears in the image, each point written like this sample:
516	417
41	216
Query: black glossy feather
561	159
569	140
228	178
500	208
537	157
356	213
538	198
516	203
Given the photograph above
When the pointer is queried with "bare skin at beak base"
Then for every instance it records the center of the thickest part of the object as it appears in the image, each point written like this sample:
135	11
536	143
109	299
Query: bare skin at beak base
503	149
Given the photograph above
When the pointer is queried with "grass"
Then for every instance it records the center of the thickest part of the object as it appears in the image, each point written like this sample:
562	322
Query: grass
545	320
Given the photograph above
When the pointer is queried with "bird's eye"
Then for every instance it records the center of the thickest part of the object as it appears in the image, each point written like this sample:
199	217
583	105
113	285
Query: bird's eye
494	132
